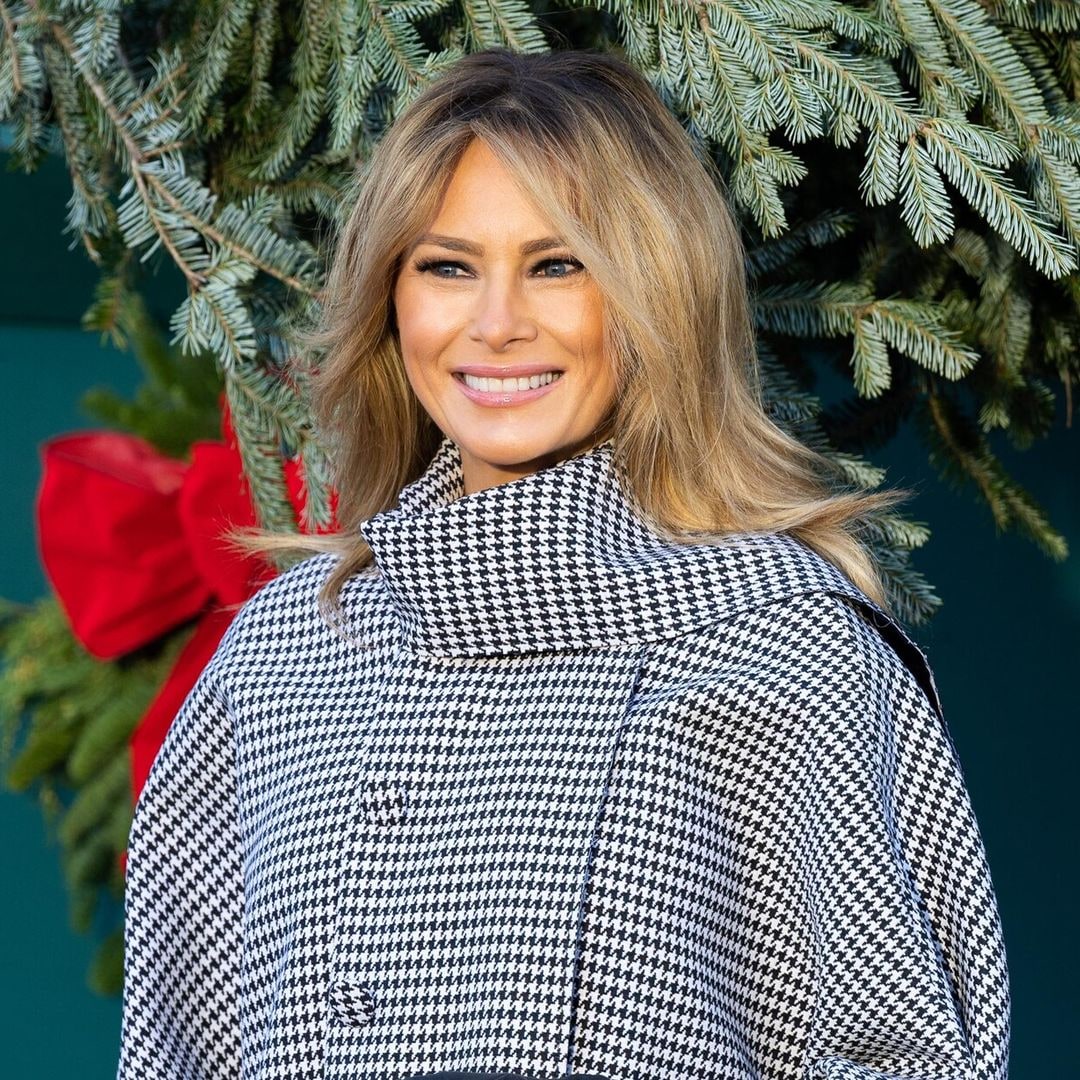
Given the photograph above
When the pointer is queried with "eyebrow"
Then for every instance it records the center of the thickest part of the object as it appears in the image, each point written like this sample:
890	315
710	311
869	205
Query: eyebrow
455	243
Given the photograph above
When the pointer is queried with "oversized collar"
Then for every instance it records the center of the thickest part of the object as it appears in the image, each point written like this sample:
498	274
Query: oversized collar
561	559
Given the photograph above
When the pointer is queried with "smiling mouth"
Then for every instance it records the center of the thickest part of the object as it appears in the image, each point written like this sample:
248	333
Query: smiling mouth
507	386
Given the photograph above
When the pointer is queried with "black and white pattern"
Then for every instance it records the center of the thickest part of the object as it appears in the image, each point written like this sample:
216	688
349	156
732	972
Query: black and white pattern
566	798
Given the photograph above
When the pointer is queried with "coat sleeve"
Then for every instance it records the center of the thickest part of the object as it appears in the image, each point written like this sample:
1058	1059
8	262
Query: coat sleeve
183	903
910	974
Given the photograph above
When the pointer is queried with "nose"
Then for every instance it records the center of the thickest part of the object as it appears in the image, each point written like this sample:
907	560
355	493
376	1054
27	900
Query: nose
501	315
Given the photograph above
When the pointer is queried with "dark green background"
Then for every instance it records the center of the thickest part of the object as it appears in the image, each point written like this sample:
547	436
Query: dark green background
1004	647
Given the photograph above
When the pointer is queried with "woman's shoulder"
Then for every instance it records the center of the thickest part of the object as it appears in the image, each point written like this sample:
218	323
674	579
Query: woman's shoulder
802	612
283	614
801	648
292	588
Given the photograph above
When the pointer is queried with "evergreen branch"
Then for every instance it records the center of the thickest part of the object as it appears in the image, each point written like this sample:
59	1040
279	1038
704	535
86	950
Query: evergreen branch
825	228
88	208
797	104
134	153
856	470
754	182
257	442
1056	188
403	54
753	188
911	595
1050	16
211	54
925	205
869	359
961	452
1003	318
96	36
990	57
95	801
971	252
808	309
266	27
865	86
844	127
23	84
706	80
18	53
502	22
214	317
880	174
1037	54
353	75
318	481
913	329
1000	204
944	89
309	63
170	205
1060	136
280	408
869	29
749	37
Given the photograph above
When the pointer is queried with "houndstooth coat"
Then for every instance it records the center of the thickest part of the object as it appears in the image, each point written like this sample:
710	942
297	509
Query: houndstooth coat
571	799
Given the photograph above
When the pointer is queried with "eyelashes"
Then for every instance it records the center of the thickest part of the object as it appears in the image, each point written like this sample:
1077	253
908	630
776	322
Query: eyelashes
426	265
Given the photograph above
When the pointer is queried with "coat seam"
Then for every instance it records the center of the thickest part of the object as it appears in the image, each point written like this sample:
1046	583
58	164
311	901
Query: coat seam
575	986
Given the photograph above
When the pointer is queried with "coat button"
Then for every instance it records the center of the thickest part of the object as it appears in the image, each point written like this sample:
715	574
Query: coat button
352	1003
385	800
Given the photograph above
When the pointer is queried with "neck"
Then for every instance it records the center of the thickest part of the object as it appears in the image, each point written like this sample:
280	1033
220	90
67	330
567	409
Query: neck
478	473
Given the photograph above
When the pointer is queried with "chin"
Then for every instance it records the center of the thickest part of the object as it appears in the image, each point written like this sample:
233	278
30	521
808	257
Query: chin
500	435
509	450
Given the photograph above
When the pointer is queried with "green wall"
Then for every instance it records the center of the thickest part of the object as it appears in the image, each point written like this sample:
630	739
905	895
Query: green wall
1002	647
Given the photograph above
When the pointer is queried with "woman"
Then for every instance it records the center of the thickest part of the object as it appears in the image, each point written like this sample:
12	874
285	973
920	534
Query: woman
588	746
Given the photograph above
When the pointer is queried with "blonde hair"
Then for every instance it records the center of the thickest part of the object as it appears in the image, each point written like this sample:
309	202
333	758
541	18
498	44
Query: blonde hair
611	168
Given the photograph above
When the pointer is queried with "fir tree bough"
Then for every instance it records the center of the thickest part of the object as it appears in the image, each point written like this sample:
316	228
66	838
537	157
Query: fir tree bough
930	147
75	716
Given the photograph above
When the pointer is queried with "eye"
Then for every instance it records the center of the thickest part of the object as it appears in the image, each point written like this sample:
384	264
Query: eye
426	265
569	267
574	265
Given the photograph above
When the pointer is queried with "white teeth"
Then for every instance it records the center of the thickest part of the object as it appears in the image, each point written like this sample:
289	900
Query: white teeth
510	385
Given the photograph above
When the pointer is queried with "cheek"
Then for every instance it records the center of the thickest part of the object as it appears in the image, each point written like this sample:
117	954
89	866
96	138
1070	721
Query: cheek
421	375
602	375
406	313
422	322
591	322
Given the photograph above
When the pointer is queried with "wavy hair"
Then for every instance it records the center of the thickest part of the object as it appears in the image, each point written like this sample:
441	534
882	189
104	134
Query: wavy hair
606	162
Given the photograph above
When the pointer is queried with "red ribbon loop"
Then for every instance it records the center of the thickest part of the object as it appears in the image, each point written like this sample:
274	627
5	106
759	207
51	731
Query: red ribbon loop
131	542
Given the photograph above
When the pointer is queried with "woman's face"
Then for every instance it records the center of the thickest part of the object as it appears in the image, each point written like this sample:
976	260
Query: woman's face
489	294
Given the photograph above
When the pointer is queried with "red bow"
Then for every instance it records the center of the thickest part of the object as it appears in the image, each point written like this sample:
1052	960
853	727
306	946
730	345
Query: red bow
131	543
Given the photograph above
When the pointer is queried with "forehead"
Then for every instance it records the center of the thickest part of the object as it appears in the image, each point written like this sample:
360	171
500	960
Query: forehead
483	198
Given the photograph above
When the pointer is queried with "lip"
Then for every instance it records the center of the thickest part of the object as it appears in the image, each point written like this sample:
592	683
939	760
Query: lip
502	398
496	371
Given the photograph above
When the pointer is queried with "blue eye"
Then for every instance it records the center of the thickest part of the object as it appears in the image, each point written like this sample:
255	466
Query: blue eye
430	265
564	262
